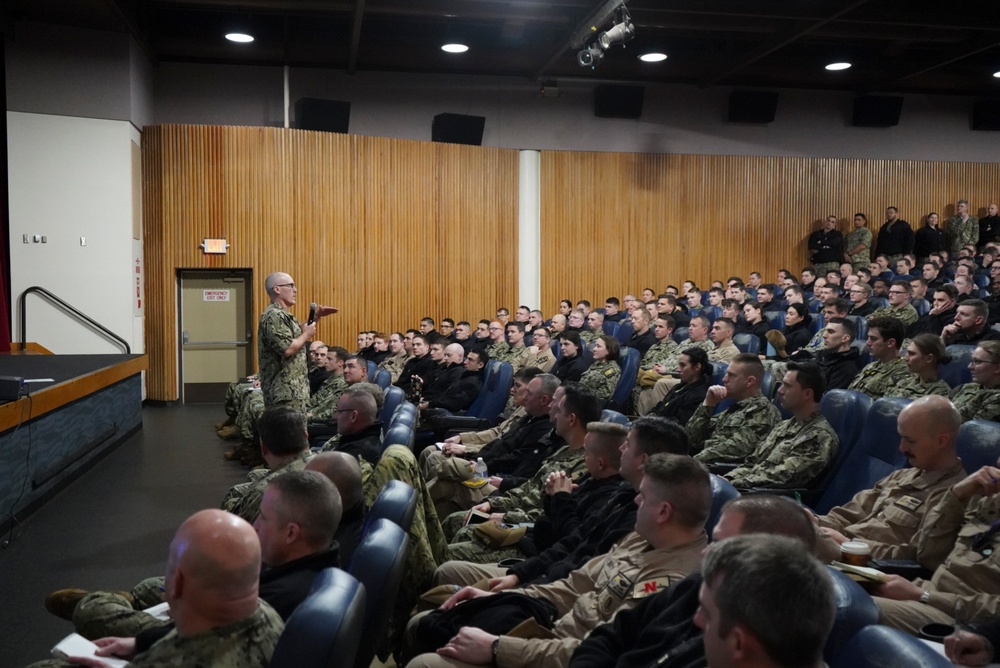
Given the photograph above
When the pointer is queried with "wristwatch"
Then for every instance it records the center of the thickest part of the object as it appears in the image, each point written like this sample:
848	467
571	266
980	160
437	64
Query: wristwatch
925	597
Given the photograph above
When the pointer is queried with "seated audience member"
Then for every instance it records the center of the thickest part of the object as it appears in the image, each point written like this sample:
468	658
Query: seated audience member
839	361
970	325
695	373
571	363
518	354
767	297
698	332
965	287
662	625
612	310
674	501
798	450
481	337
426	327
859	296
924	354
317	366
975	647
323	402
694	300
646	437
359	431
463	336
380	346
576	322
722	336
577	407
211	587
284	445
557	326
943	309
666	305
660	351
746	615
754	323
565	505
960	534
397	357
891	515
344	472
980	399
594	327
498	348
796	334
421	364
899	304
919	287
604	373
510	459
734	433
642	338
447	330
458	387
885	336
540	355
833	307
535	320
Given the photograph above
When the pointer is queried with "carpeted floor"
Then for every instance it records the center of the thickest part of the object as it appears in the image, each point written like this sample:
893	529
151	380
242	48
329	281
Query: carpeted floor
112	527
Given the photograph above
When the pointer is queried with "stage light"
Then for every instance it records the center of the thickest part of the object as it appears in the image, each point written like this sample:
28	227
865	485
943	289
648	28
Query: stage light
653	57
455	48
836	67
240	37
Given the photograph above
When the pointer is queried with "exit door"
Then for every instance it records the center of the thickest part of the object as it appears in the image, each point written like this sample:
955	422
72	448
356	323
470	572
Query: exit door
216	332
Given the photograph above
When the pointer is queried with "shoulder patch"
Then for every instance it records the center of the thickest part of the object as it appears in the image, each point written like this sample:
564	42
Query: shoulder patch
609	372
910	503
650	587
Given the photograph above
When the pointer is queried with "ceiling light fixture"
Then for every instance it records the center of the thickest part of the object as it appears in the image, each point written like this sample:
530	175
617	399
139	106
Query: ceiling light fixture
653	57
455	48
997	75
240	37
836	67
620	32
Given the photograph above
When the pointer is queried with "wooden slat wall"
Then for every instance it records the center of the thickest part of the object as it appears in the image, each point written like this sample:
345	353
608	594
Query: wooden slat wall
388	230
616	223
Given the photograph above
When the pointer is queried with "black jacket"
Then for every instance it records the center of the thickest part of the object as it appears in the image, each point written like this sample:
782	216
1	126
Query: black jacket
797	336
348	534
932	323
660	631
643	342
897	240
569	369
455	389
615	520
529	460
928	240
839	369
504	456
366	444
566	512
418	366
682	401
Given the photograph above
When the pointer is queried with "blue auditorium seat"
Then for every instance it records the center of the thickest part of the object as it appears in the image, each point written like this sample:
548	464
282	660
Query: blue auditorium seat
372	368
854	610
722	491
979	444
956	372
922	306
877	646
679	334
747	343
382	378
614	416
610	327
625	331
393	398
628	360
861	324
874	456
399	434
485	409
378	563
324	631
396	502
718	372
775	320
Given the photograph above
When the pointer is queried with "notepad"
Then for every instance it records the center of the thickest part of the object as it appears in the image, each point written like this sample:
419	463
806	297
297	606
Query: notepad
76	645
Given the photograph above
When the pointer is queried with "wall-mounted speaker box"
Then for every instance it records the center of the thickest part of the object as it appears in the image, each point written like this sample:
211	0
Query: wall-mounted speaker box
618	101
458	129
312	113
752	106
986	115
877	111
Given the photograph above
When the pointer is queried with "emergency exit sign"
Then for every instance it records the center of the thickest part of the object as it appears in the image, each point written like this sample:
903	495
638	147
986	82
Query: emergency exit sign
215	295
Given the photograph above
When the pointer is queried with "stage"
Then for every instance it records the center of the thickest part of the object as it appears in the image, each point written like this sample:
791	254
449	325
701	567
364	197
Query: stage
86	405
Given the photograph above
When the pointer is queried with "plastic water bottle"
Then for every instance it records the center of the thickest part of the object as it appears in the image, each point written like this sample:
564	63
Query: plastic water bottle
480	469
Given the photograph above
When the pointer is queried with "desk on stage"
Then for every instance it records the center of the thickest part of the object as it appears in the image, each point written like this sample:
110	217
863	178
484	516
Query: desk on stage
92	404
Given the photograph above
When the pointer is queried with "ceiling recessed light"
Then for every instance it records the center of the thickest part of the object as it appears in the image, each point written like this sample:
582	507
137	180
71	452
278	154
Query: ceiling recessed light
240	37
455	48
653	57
997	75
835	67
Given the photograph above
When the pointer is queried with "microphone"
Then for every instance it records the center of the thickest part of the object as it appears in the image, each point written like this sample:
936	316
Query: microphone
312	313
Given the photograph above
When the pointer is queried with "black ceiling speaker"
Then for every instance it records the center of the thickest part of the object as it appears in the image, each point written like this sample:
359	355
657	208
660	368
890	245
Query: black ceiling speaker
986	115
877	111
752	106
617	101
458	129
325	115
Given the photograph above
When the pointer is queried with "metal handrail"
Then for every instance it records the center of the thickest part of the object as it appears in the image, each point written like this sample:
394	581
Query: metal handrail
23	309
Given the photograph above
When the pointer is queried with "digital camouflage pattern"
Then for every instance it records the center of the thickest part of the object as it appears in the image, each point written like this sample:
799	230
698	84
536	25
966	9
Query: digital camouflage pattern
284	381
794	454
733	434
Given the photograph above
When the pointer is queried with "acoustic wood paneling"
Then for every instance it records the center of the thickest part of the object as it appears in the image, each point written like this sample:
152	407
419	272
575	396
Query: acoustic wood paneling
616	223
388	230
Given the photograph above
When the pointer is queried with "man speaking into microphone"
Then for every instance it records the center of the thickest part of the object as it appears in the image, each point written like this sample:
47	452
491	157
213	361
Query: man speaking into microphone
281	345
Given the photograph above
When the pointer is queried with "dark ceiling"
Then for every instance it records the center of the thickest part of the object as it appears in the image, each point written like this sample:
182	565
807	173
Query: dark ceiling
939	47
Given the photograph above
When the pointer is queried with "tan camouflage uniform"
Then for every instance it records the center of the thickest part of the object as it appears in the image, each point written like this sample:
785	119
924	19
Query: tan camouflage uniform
394	364
794	454
732	435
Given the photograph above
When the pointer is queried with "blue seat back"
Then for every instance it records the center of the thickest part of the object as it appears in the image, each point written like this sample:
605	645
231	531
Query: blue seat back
624	332
722	491
854	609
956	372
610	327
775	320
982	280
608	415
679	334
372	368
818	321
324	631
382	378
747	343
378	563
767	386
874	456
396	502
877	646
861	325
979	444
922	306
628	360
718	372
711	312
405	414
399	434
493	395
846	411
393	398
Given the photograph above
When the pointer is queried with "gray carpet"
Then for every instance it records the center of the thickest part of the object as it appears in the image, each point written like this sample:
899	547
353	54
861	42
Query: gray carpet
112	527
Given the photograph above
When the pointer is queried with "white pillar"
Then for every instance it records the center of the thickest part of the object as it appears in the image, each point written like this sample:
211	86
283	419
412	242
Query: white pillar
529	263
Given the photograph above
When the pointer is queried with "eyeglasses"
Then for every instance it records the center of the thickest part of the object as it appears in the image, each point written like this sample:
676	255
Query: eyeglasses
897	292
975	362
286	285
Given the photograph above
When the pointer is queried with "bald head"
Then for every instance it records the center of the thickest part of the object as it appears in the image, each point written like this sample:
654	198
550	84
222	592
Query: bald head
212	571
928	429
343	471
274	280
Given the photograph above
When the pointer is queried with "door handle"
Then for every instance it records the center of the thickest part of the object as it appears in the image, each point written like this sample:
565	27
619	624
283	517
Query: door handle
185	336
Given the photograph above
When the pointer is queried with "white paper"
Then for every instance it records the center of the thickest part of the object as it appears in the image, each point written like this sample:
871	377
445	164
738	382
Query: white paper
76	645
